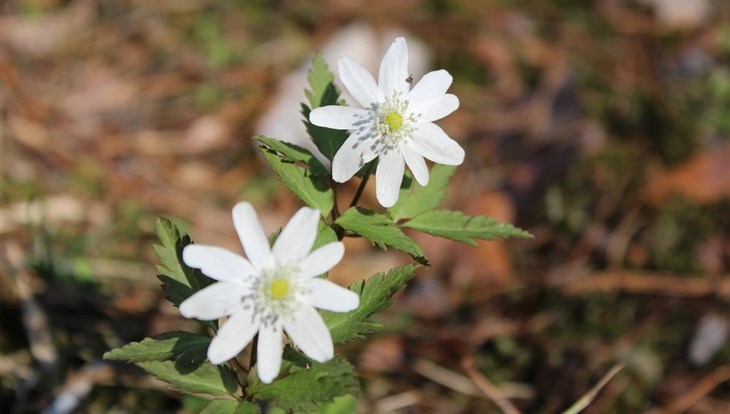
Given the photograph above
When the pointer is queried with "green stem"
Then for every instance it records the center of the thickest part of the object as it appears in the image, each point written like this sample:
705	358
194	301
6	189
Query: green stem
363	182
335	211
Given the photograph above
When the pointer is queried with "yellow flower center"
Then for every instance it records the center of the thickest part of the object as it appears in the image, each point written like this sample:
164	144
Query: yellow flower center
393	120
279	289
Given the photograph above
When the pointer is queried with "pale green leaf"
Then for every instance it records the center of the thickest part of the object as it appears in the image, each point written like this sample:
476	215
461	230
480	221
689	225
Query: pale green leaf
457	226
231	407
341	405
380	230
205	378
375	295
325	235
186	347
178	280
415	199
312	189
303	385
294	153
322	92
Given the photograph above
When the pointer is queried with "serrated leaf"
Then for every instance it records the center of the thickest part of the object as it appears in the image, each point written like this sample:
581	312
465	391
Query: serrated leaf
205	378
186	347
231	407
310	188
380	230
178	280
375	295
294	153
457	226
322	92
415	199
304	385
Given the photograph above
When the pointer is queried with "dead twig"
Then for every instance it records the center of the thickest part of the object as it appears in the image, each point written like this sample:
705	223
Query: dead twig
699	391
650	283
487	387
586	399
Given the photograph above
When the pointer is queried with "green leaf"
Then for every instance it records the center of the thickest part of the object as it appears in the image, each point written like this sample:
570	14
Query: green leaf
304	385
231	407
457	226
314	190
179	358
178	280
294	153
341	405
186	347
205	378
380	230
415	199
322	92
325	235
375	295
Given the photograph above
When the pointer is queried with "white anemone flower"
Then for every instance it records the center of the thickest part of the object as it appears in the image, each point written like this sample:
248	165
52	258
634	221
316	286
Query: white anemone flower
395	122
275	290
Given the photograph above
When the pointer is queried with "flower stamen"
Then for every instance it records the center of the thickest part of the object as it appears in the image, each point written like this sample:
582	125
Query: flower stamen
392	120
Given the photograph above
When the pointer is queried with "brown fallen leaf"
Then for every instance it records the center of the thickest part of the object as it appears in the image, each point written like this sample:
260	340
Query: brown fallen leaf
490	262
705	178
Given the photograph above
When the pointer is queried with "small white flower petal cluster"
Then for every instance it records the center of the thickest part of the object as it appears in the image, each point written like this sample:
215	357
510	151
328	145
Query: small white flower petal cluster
275	290
395	122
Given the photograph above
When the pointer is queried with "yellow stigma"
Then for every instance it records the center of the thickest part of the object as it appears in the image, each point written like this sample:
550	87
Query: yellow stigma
278	289
393	120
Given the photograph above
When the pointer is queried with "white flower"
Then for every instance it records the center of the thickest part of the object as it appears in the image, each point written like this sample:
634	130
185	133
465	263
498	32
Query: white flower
275	290
394	124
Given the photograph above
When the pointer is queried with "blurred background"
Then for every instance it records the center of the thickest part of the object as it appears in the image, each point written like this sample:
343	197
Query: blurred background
602	127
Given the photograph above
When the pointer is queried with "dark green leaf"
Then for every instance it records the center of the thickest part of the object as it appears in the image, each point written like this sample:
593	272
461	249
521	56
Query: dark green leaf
415	199
178	280
322	92
311	189
380	230
457	226
304	385
231	407
186	347
375	295
206	378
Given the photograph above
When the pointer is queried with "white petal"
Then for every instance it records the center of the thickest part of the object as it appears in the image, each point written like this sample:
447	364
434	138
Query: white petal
330	296
389	176
311	335
432	142
233	336
268	352
432	86
393	73
360	148
417	164
217	262
338	117
322	259
252	236
214	301
359	82
296	239
438	108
